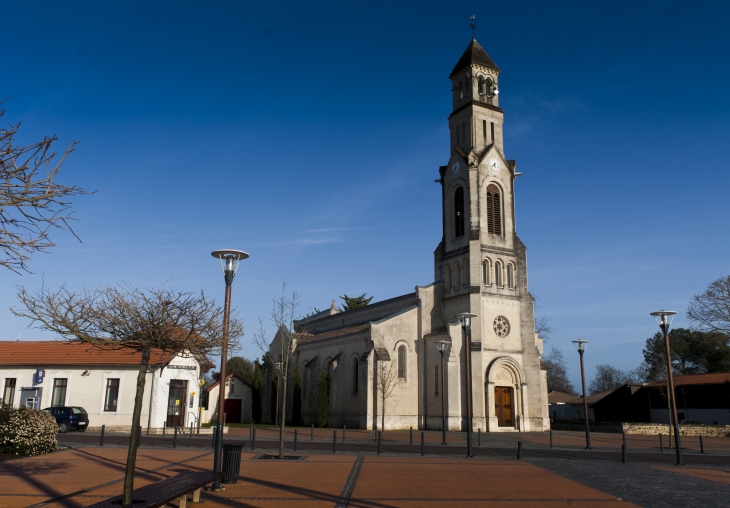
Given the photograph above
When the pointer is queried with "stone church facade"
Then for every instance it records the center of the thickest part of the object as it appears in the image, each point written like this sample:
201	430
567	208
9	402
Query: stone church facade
480	266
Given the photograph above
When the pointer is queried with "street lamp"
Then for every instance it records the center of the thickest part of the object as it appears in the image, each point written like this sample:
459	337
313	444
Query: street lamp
580	345
230	259
664	319
442	346
465	319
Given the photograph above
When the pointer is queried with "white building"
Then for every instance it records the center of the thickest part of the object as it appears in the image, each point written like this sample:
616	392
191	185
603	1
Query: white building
237	406
102	381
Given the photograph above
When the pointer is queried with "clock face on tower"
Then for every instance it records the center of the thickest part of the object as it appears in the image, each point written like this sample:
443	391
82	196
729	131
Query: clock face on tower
493	164
455	167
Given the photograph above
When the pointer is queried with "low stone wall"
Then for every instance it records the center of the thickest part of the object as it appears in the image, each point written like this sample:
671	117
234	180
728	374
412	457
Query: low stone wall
159	430
650	429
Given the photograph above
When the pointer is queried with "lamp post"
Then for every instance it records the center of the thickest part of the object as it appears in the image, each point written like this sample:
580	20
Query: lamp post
442	346
664	319
580	345
465	319
230	259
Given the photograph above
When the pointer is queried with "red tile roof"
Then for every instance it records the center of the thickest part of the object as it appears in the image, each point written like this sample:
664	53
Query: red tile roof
591	399
56	352
697	379
229	376
554	397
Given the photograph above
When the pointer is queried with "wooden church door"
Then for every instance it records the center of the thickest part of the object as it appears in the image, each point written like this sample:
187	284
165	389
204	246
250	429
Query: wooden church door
503	405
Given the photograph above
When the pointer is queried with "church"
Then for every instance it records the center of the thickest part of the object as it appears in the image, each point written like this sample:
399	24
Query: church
382	361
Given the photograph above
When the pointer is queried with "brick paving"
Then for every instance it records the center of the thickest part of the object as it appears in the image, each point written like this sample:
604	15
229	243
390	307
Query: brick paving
356	477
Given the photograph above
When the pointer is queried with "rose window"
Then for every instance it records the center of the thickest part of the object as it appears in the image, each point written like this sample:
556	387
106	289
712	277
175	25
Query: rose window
501	326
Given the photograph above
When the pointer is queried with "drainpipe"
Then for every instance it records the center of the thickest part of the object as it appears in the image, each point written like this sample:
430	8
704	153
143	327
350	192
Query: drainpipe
152	392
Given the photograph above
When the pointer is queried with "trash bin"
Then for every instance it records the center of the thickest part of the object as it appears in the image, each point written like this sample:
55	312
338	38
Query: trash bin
231	462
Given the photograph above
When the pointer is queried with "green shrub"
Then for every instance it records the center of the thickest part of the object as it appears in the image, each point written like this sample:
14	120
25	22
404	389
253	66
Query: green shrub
27	432
322	399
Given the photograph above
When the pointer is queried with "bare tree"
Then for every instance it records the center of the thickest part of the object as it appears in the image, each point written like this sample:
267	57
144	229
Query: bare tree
557	372
281	348
386	375
125	317
31	201
543	328
710	310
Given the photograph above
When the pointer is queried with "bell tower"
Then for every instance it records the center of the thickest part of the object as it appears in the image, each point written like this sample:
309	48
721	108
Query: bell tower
481	262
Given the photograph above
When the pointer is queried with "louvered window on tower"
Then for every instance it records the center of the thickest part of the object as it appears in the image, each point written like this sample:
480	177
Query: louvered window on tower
484	129
402	362
494	211
459	212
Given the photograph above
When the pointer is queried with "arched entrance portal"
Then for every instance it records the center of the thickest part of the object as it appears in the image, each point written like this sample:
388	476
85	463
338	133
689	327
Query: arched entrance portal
504	393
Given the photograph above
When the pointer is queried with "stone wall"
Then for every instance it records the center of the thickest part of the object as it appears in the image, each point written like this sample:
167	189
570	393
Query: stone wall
651	429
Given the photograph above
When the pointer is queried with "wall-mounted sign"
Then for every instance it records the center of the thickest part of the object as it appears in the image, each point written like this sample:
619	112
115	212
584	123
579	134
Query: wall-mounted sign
39	375
182	367
191	401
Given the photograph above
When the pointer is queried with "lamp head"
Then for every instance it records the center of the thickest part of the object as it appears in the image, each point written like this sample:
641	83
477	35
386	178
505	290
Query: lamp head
230	259
442	346
664	318
465	319
580	345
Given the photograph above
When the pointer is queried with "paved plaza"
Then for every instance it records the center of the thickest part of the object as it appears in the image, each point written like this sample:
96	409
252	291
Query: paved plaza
354	475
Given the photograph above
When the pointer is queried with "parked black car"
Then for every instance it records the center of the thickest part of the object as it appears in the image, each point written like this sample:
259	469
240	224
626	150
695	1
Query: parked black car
69	417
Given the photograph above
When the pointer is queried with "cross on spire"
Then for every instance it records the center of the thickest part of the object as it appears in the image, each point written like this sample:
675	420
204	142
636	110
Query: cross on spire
472	25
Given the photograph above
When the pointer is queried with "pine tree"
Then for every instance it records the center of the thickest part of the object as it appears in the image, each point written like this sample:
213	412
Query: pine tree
355	302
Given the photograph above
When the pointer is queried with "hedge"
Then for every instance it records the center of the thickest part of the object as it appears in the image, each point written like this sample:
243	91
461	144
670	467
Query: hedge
26	432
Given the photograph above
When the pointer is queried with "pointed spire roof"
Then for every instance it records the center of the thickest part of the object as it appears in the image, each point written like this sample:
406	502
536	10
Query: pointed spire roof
474	54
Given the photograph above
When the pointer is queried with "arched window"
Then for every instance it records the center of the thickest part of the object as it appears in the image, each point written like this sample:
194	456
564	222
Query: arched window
481	85
510	276
355	375
498	274
465	271
401	362
447	277
485	272
494	211
488	88
459	212
457	275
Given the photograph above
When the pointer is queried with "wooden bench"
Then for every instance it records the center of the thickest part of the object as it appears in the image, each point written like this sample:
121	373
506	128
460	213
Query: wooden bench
165	491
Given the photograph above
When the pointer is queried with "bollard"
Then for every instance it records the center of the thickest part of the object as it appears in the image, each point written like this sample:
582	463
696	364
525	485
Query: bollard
423	443
213	444
661	443
101	440
479	437
163	428
702	445
253	439
250	430
296	431
334	441
378	442
191	429
624	434
623	454
551	439
312	435
174	438
519	450
344	431
411	439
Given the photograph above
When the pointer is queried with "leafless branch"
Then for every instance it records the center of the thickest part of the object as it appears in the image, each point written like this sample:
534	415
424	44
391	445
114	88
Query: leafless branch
32	203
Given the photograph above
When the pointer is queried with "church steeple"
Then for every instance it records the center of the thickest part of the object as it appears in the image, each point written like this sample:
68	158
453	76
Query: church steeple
476	120
474	55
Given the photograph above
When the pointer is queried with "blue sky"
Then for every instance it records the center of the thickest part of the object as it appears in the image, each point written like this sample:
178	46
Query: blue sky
309	134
